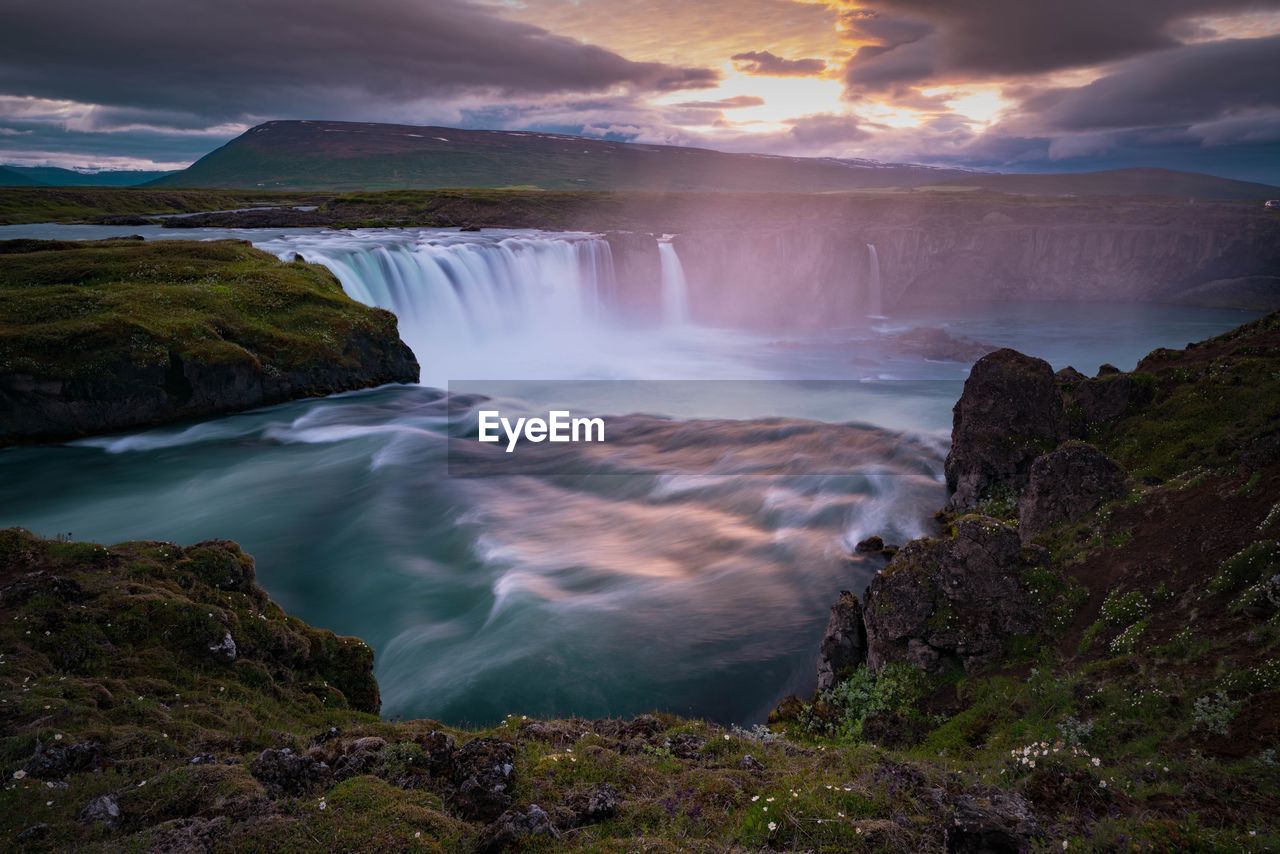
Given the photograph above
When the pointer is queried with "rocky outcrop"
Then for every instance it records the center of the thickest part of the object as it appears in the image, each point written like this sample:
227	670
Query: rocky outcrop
1065	484
288	774
1105	398
128	396
956	599
92	345
844	644
1009	413
483	773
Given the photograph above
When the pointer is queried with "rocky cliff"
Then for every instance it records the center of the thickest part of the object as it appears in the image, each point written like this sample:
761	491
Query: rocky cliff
96	337
822	274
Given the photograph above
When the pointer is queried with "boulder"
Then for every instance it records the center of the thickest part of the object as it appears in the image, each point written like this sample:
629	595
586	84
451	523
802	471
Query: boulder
599	803
52	761
484	774
288	774
439	747
515	826
870	544
104	809
844	644
1009	413
1066	484
1069	375
994	822
955	599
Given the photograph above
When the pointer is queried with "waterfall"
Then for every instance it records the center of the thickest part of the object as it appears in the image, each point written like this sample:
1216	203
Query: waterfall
470	299
675	289
875	296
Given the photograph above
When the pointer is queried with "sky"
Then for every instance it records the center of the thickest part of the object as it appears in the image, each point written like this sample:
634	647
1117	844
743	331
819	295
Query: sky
1009	85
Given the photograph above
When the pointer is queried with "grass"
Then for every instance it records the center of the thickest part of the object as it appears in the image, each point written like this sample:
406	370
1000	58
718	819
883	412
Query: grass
81	309
87	204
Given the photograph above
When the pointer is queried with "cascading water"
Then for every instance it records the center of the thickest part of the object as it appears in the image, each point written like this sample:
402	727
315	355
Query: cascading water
653	587
675	287
466	302
875	296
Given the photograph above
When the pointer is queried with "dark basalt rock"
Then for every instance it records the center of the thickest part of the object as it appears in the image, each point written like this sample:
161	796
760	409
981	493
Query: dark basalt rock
484	774
514	826
288	774
1109	397
870	544
104	809
1069	375
995	822
1009	414
1066	484
686	745
960	598
128	396
844	644
439	747
52	761
599	803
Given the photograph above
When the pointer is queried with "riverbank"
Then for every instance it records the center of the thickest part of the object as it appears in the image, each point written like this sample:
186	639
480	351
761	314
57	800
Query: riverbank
119	334
156	698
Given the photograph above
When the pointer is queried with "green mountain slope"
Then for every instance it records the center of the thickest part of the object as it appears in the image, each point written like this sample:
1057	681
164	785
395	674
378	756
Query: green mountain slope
10	177
351	156
319	155
52	176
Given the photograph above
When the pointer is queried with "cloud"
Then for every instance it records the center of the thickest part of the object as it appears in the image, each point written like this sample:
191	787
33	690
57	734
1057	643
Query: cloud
923	41
220	61
733	103
825	129
1181	86
765	63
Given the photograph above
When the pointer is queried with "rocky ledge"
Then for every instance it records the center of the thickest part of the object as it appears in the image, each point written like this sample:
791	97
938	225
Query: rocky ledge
114	335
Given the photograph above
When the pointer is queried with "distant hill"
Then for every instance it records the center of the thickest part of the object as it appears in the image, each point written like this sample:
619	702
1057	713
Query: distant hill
353	156
1119	182
52	176
322	155
10	177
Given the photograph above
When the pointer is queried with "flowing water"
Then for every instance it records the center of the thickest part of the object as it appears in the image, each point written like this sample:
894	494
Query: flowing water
661	572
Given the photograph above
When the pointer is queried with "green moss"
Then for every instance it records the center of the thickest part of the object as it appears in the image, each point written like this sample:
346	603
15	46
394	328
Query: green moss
83	310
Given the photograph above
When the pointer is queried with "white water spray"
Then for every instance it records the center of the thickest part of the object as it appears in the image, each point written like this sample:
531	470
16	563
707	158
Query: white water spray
675	288
875	295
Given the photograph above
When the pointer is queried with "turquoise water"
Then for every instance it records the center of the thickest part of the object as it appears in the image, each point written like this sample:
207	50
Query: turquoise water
680	588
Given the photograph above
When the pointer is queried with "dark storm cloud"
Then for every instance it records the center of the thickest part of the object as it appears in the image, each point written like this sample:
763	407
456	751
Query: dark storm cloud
916	41
1177	87
765	63
205	61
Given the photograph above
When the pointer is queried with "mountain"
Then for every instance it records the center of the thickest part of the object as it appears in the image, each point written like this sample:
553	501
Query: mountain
52	176
1120	182
10	177
353	156
322	155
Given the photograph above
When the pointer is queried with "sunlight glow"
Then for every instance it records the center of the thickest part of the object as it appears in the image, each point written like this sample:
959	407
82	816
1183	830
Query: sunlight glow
784	97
